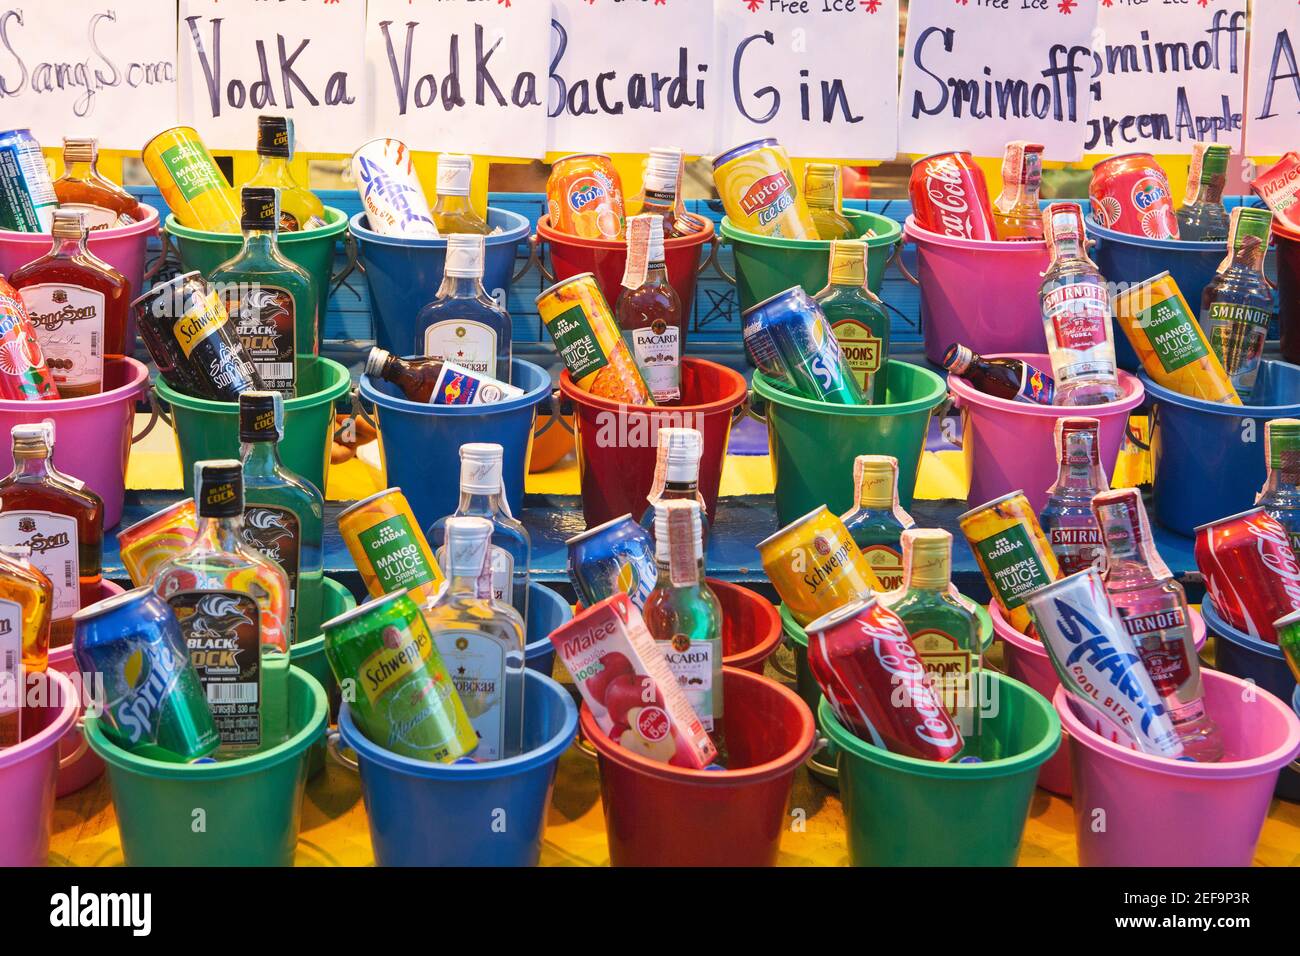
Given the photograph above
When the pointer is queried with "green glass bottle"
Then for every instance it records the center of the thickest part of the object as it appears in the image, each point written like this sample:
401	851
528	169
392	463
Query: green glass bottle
271	300
1237	304
857	317
283	513
877	522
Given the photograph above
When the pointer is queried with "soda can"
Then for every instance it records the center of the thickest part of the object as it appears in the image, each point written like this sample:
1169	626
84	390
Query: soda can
580	322
24	376
1012	551
158	538
1097	661
789	340
390	191
757	186
816	567
193	186
153	704
27	198
615	557
1130	193
874	679
388	547
584	197
1250	571
457	385
404	699
949	196
1279	187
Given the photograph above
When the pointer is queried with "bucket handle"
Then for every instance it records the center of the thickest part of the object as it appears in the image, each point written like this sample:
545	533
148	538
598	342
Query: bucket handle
779	665
535	255
350	250
164	253
711	259
154	415
159	408
335	751
556	417
1132	435
898	261
820	743
748	408
82	747
717	265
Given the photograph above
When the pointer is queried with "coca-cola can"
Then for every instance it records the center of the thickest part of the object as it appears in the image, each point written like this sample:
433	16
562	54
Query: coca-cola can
1097	661
863	658
1250	571
950	197
1130	193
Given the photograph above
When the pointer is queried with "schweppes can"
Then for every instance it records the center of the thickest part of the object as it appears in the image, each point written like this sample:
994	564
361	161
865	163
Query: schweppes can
758	190
815	566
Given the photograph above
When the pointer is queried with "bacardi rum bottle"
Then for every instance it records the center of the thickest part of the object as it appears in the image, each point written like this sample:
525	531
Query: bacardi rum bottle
1067	518
1280	495
650	313
677	474
878	521
1015	212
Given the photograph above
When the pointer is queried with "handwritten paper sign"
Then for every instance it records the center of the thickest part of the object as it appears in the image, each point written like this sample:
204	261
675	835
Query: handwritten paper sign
816	74
1273	90
297	58
627	75
460	75
88	68
980	73
1167	75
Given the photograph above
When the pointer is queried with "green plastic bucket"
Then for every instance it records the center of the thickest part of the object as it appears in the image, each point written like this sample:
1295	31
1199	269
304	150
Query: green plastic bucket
206	429
766	265
310	656
901	811
813	443
313	249
242	812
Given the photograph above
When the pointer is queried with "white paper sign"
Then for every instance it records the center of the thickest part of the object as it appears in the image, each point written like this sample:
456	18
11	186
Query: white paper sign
1273	92
981	73
100	68
492	103
297	58
818	75
628	75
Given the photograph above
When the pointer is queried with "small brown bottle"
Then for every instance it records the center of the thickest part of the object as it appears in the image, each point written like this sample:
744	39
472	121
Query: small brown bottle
416	378
82	188
25	597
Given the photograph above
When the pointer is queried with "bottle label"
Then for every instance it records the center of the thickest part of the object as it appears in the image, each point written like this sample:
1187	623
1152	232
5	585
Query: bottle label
12	684
887	563
1076	549
503	575
276	533
1078	319
69	322
395	555
202	319
947	663
1036	386
861	348
402	652
192	169
1237	332
1162	640
1013	564
53	540
472	345
692	664
265	323
1171	334
222	631
477	664
657	349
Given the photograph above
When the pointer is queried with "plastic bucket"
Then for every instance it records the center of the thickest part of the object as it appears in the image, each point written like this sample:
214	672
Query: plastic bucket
27	777
92	434
1288	291
1027	661
813	443
977	292
403	273
418	442
206	429
547	610
1208	458
435	814
617	444
1163	812
1009	445
310	656
252	805
659	815
766	265
1251	659
751	626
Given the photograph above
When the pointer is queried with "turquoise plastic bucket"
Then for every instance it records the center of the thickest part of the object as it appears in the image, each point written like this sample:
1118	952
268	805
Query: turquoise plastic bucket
547	610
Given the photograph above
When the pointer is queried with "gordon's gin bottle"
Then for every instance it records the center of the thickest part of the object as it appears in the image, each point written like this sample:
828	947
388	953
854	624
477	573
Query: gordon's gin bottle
1280	495
877	521
1067	518
1153	608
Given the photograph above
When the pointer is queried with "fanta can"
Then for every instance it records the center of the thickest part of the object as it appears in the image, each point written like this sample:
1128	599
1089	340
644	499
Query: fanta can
585	198
757	186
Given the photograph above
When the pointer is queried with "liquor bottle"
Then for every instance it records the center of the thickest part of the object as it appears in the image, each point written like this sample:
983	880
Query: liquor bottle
684	617
25	599
857	318
416	377
677	474
60	519
193	186
1202	218
1280	495
877	522
481	641
1008	378
233	606
1076	313
82	188
283	513
464	324
78	305
271	300
1067	518
482	495
662	192
1153	609
299	207
1237	304
822	192
433	381
1016	215
650	313
453	212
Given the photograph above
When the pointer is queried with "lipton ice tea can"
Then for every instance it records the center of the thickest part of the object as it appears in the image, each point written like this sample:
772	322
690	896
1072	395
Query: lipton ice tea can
815	566
582	325
388	546
157	538
584	197
757	186
193	186
1012	551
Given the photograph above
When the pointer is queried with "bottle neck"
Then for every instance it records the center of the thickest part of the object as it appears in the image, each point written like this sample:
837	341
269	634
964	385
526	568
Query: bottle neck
259	241
66	247
934	578
272	167
682	576
462	583
453	202
219	534
1081	475
473	502
81	169
461	287
31	466
260	457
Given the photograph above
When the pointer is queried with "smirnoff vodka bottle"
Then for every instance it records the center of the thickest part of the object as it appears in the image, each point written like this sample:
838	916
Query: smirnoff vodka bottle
1067	518
1280	495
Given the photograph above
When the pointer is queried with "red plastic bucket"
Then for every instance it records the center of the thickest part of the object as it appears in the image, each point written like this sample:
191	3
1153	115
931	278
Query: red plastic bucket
1287	242
617	443
751	626
658	815
27	775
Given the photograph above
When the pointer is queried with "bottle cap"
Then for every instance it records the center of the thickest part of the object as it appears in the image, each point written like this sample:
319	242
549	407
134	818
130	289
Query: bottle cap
260	208
681	450
455	172
375	361
1077	441
219	488
467	546
1022	162
1282	436
79	150
464	256
848	262
927	558
261	416
1125	528
661	171
821	184
31	438
275	136
480	468
679	538
68	224
1062	222
876	480
958	358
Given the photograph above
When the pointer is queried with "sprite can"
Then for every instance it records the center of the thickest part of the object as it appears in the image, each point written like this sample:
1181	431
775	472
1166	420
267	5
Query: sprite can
789	340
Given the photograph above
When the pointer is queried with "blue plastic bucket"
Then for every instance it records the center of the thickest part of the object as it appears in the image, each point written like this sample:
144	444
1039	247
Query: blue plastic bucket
547	610
403	273
425	439
1209	457
468	814
1264	664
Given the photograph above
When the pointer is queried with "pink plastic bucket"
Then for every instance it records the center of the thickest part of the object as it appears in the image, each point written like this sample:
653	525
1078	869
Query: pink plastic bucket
1010	445
980	293
1162	812
27	775
1026	660
92	434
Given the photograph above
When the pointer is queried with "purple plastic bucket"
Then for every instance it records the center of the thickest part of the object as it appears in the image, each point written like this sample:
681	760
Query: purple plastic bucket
27	777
